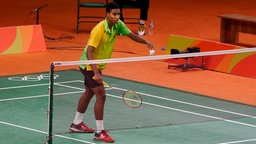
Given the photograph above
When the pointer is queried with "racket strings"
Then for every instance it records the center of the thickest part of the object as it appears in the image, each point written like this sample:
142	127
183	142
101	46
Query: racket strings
132	99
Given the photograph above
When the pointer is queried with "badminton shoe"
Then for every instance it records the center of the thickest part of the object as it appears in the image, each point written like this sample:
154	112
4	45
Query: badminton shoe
103	137
82	128
142	30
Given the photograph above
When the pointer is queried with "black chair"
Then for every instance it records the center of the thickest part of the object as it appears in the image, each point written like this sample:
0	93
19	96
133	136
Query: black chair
187	63
89	18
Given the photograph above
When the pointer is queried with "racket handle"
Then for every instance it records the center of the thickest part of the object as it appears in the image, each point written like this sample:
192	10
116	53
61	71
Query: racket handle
104	83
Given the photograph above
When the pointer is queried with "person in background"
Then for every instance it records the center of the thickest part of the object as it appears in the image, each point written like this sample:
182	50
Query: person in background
100	46
143	5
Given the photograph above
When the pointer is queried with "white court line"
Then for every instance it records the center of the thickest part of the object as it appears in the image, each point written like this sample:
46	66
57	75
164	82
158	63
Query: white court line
38	131
187	103
184	111
194	113
24	86
231	121
38	96
241	141
149	95
197	105
147	103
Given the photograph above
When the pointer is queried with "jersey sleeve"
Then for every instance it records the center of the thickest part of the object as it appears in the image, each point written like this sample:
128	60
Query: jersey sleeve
123	29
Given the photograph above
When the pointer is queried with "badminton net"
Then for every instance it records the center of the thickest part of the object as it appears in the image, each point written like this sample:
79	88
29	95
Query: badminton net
161	106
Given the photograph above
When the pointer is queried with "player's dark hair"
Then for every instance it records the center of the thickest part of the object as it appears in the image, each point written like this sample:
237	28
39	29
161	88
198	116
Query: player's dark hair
112	5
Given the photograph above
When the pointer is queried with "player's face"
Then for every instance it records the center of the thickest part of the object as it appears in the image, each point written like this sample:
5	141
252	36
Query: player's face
114	16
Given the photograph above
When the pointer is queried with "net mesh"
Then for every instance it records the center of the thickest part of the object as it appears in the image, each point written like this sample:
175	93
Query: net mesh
161	106
153	112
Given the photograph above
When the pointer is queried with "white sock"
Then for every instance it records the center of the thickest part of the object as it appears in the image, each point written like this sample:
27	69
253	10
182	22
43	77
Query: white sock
142	22
99	125
78	118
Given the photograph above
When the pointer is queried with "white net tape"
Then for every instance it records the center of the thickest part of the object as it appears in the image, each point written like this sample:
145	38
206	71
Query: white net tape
158	57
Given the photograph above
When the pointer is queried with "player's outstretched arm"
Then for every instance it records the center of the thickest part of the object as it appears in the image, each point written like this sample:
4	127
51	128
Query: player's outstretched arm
141	40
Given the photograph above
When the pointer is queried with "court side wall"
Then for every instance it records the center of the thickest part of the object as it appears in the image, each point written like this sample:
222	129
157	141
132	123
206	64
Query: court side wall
21	39
238	64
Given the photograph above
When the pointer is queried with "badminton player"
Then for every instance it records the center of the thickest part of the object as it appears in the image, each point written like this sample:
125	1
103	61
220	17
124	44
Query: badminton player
100	46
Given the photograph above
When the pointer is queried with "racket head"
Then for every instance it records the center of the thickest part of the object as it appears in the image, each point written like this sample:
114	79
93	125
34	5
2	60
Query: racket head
132	99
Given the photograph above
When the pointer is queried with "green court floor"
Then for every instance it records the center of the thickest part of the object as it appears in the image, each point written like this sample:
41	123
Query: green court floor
167	116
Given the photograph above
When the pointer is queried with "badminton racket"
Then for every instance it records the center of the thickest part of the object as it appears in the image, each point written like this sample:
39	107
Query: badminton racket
129	97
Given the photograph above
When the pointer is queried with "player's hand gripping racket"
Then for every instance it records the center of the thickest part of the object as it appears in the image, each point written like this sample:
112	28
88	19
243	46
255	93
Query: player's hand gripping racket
129	97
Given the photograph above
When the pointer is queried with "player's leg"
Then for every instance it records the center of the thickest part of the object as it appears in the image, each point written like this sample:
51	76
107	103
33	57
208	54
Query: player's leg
78	125
100	133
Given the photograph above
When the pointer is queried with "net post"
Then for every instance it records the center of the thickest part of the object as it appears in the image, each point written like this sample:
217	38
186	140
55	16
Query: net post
50	105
